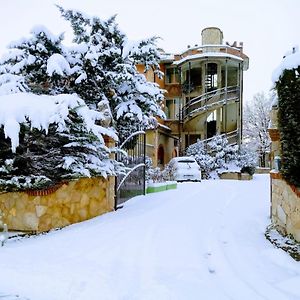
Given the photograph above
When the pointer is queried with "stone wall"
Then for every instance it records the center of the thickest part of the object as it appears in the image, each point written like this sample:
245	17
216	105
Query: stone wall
262	170
235	176
68	203
285	206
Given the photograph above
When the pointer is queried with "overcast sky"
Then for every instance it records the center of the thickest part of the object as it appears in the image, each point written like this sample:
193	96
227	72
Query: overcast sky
268	28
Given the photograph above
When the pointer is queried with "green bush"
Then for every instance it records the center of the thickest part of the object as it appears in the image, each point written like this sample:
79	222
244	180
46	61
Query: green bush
248	169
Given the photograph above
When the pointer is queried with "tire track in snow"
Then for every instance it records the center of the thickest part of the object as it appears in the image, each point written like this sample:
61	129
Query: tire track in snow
148	267
223	248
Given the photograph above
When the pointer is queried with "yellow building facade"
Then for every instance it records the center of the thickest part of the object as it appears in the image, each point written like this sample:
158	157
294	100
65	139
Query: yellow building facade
204	96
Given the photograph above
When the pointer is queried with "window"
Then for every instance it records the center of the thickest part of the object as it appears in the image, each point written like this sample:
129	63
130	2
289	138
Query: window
195	76
191	139
211	78
172	75
172	108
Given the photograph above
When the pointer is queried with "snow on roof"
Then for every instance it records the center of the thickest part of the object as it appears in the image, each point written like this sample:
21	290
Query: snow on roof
207	54
290	61
167	57
163	126
43	110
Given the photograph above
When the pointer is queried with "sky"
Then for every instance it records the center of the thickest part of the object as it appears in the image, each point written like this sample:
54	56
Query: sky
267	28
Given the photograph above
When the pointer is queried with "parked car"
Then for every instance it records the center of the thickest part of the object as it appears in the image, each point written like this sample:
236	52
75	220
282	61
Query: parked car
185	168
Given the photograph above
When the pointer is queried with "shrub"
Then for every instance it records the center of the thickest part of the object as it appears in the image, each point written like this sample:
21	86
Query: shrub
219	155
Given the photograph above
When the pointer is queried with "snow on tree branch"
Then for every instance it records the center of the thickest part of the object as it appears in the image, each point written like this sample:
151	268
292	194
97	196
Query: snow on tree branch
41	111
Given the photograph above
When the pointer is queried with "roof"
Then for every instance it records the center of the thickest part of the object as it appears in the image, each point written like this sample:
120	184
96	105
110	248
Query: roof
205	55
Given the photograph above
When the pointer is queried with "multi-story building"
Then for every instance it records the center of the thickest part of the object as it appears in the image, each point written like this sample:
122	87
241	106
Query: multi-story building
204	96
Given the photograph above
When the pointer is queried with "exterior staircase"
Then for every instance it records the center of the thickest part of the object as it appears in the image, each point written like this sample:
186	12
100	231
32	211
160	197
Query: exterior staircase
209	101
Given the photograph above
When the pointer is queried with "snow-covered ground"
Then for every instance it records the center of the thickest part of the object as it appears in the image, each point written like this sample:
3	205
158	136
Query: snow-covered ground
202	241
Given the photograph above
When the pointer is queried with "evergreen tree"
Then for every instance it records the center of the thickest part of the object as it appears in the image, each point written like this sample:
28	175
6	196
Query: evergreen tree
99	66
101	69
108	71
204	160
222	152
63	145
219	155
288	89
32	60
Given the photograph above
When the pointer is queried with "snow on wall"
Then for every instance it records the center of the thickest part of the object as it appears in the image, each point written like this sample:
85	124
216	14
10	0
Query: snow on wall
43	110
290	61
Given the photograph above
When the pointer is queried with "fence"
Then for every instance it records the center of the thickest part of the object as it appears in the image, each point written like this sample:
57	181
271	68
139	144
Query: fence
133	157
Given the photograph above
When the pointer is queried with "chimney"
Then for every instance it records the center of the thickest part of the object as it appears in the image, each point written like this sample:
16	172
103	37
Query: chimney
212	36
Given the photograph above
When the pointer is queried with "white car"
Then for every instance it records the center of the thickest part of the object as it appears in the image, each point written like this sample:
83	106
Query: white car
185	168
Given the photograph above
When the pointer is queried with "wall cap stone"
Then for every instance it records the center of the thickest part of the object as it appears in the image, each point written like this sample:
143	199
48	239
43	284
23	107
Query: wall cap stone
277	175
47	191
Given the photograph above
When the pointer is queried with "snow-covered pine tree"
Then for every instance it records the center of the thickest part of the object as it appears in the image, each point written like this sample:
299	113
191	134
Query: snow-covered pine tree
218	154
222	152
41	148
99	70
106	63
37	62
204	160
288	90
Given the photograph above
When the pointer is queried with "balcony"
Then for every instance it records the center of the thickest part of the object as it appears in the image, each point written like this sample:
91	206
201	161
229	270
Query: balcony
210	101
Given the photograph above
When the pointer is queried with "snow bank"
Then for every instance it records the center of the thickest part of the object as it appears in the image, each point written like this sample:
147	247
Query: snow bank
290	61
43	110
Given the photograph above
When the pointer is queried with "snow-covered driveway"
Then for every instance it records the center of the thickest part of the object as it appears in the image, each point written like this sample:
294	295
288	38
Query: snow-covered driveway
202	241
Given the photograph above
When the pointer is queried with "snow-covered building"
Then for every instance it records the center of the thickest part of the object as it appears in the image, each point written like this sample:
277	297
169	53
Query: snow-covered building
204	95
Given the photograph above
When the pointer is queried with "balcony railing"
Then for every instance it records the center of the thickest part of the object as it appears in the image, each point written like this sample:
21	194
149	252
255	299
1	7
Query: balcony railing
209	101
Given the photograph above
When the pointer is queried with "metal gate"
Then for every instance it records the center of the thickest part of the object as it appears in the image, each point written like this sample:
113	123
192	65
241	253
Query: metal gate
133	182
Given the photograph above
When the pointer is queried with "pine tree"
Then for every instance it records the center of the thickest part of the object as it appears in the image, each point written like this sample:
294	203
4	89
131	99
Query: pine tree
70	146
101	69
107	70
288	89
204	160
38	64
218	154
30	59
